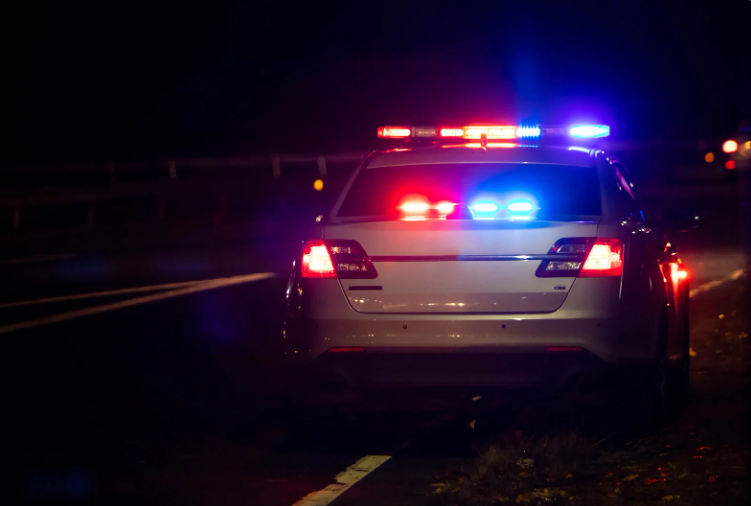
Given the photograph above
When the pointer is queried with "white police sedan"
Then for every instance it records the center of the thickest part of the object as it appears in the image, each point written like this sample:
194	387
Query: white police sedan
489	256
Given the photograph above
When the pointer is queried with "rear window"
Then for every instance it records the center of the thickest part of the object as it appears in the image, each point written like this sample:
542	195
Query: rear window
558	191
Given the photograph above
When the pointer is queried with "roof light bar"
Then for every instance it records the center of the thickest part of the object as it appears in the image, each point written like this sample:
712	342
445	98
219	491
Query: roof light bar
495	132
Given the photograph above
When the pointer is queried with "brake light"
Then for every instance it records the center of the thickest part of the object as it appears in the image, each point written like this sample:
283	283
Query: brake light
336	258
604	259
394	132
316	261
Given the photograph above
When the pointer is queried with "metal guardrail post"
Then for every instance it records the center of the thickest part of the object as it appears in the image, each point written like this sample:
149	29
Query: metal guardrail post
172	169
91	215
276	166
322	166
111	172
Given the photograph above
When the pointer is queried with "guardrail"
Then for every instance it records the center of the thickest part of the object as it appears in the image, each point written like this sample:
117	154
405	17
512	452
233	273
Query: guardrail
92	185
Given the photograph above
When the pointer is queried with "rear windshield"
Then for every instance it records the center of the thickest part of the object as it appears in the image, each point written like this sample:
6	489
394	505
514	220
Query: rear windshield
558	191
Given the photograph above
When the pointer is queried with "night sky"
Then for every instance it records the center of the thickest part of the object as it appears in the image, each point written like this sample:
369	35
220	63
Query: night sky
133	80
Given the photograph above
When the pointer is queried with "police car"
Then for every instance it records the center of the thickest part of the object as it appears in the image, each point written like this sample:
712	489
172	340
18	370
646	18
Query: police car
489	256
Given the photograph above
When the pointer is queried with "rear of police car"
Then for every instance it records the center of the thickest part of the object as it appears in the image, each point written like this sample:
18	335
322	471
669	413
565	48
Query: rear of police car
495	260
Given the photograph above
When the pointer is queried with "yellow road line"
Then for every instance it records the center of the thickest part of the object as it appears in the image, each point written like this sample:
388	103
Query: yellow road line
195	288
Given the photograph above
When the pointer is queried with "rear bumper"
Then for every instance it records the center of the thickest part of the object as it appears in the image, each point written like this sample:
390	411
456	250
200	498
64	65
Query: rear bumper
374	370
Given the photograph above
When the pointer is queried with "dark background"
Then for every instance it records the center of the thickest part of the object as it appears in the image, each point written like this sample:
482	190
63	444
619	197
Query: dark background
88	81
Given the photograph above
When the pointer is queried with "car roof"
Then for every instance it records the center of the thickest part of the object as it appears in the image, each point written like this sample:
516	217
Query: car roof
473	153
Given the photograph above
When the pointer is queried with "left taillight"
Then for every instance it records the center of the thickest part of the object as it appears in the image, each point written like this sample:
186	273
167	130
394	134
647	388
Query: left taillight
336	258
316	261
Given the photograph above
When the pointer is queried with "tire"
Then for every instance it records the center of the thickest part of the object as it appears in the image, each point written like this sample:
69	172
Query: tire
679	374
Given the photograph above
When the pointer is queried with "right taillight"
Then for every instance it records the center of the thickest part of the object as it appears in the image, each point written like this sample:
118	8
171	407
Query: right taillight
604	259
583	257
336	258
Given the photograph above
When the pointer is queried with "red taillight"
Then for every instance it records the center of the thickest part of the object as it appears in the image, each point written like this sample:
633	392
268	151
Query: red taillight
583	257
336	258
677	271
604	259
394	132
316	261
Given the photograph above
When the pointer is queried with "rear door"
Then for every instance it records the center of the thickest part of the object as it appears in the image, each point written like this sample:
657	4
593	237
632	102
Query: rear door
438	246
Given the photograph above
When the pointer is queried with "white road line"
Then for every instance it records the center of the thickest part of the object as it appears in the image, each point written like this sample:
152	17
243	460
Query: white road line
107	293
714	284
363	467
344	481
195	288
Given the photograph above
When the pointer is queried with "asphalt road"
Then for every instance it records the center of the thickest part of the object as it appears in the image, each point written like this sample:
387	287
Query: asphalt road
181	400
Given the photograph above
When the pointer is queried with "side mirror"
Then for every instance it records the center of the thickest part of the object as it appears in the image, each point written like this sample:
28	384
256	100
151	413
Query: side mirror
680	220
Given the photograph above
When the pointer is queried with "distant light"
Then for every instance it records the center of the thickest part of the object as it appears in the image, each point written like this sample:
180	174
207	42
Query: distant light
589	131
730	146
528	132
485	207
730	164
520	207
318	185
709	157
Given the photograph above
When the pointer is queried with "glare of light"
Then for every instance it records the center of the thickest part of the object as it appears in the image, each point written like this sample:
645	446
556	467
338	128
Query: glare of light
318	185
485	207
576	148
746	148
676	272
709	157
445	207
522	217
452	132
528	132
730	146
414	218
730	164
520	207
502	145
589	131
414	206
